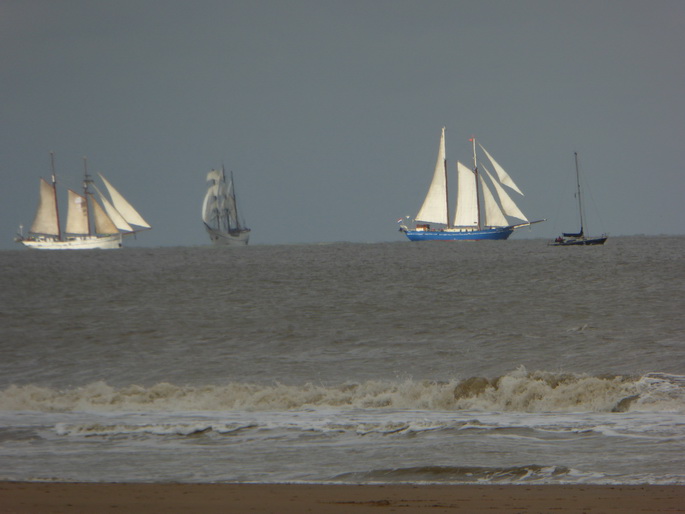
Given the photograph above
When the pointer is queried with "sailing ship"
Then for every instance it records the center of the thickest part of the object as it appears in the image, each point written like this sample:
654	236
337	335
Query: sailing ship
220	211
478	215
578	238
89	226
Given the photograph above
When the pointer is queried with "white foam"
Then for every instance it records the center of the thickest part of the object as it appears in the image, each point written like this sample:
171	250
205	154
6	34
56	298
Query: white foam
517	391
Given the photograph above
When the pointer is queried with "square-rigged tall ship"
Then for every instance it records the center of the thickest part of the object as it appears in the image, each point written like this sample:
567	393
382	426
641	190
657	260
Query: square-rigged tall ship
223	224
89	226
478	215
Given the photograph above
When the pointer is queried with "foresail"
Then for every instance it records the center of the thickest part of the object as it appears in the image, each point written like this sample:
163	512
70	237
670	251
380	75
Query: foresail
125	209
494	217
103	223
114	216
509	207
504	177
466	214
45	221
77	214
434	208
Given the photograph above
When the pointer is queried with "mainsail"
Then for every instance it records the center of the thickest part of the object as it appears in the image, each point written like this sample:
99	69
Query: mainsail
46	221
77	214
466	214
434	208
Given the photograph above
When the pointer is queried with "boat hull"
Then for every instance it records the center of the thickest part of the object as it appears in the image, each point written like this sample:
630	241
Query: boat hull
580	241
459	235
218	238
75	243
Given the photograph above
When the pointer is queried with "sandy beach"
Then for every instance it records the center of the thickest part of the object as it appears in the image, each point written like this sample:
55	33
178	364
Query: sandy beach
76	498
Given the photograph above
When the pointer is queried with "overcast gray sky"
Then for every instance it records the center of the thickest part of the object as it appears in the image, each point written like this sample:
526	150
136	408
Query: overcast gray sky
329	112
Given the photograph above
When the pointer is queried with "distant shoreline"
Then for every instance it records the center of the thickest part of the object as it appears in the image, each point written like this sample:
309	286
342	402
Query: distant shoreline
152	498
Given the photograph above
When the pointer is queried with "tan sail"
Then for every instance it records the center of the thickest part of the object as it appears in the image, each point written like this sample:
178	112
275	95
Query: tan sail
77	214
103	223
45	221
125	209
113	214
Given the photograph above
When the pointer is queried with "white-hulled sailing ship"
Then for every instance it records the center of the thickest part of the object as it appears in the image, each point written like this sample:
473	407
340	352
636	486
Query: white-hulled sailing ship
220	211
89	226
478	215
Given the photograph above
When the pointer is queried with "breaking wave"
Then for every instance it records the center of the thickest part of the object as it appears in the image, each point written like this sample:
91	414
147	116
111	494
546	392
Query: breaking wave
517	391
462	474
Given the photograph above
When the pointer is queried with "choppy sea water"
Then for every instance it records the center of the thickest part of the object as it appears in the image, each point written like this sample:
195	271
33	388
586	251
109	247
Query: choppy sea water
490	362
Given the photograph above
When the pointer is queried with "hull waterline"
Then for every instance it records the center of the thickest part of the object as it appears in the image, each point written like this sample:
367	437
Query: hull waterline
580	242
75	243
459	235
218	238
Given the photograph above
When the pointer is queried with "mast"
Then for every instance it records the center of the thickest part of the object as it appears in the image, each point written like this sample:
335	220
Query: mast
54	190
86	193
475	170
580	203
235	203
225	212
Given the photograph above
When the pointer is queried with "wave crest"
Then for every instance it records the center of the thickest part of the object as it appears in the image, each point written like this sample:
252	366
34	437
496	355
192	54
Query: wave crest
519	390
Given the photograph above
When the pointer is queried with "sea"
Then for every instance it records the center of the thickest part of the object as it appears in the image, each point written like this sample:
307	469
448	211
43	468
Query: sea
493	362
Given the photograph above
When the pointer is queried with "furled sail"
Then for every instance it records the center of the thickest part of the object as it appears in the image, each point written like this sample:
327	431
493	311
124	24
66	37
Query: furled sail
466	214
125	209
434	208
77	214
45	221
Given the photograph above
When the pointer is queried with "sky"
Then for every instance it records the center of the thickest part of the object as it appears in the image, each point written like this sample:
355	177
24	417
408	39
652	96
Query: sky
329	111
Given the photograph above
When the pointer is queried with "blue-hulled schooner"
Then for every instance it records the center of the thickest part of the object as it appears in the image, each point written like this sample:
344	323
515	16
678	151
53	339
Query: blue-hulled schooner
478	215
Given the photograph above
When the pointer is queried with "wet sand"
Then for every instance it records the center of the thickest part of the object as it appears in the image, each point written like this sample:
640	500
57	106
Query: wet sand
77	498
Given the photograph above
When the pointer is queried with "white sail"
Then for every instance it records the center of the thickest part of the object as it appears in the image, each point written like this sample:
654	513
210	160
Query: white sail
207	205
77	214
125	209
45	221
494	217
509	207
213	198
504	177
466	214
214	176
103	223
113	214
210	206
434	208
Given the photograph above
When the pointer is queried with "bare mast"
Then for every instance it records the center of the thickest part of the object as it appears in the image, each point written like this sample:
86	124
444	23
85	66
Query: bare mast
580	203
54	191
86	192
